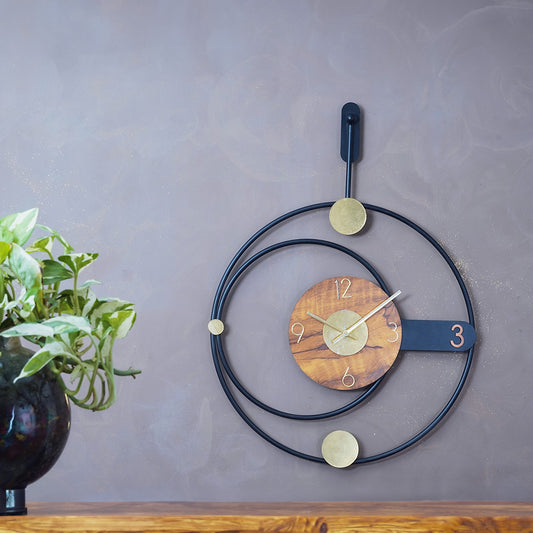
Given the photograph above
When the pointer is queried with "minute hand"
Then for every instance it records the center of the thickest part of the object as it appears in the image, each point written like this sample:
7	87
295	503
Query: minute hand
346	332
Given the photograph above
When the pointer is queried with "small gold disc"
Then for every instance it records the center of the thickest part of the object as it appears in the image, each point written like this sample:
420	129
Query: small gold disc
215	326
340	448
347	216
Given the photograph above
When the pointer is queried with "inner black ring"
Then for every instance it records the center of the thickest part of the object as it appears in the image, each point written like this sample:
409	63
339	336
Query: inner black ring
224	297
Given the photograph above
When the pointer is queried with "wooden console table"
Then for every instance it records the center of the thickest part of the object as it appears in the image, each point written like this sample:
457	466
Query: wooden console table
378	517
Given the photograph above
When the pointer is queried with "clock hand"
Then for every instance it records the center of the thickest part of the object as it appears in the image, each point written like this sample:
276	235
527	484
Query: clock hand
316	317
346	332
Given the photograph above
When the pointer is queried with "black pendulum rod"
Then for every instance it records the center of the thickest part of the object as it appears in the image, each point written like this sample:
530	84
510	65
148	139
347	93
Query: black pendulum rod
348	191
350	140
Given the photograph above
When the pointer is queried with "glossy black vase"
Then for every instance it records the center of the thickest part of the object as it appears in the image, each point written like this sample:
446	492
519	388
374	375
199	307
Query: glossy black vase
34	425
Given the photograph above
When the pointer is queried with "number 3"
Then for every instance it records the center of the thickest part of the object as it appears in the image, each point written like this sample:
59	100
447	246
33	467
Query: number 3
395	331
459	335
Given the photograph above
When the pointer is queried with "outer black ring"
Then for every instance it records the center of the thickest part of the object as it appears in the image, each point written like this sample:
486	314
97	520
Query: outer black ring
222	367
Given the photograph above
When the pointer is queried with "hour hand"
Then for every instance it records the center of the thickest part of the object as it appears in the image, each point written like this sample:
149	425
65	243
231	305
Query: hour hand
316	317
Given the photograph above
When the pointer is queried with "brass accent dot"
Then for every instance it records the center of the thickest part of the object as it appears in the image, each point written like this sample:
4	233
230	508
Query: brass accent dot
215	326
340	448
347	216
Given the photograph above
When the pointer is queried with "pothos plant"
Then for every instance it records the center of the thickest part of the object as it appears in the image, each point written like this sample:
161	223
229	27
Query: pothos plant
43	301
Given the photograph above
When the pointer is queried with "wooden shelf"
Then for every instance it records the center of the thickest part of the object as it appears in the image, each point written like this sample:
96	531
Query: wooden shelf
378	517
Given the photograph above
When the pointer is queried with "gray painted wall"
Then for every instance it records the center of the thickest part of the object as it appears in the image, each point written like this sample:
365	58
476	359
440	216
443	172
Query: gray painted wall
162	134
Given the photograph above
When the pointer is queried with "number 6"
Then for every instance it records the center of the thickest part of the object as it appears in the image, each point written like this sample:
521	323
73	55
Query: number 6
351	380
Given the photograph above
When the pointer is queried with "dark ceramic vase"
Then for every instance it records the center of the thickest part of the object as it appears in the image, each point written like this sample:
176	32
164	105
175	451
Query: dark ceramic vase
34	425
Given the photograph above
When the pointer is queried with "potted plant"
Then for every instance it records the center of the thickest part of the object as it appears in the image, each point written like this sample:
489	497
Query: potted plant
44	301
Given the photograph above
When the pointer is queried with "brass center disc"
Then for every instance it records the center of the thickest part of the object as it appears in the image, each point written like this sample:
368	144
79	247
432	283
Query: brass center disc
349	344
347	216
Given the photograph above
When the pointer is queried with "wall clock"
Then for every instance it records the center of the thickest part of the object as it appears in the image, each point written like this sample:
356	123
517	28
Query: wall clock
345	332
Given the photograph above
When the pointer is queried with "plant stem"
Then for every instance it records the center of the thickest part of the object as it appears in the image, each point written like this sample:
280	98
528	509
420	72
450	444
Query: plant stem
75	295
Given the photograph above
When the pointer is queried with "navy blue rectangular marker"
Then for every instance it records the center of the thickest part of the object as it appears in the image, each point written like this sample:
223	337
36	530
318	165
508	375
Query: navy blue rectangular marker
437	335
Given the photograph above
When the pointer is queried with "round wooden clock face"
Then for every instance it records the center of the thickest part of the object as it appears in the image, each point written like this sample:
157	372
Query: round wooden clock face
342	335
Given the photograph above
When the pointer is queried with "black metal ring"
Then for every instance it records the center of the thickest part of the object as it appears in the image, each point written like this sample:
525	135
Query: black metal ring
219	312
219	356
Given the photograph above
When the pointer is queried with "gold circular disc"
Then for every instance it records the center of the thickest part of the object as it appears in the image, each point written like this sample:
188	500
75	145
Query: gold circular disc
215	326
347	216
340	321
340	449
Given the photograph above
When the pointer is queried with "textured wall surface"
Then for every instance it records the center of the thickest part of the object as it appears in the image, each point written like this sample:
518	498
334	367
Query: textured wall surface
162	134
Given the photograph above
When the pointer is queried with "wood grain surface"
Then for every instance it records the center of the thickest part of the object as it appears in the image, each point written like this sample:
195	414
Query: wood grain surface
180	517
352	370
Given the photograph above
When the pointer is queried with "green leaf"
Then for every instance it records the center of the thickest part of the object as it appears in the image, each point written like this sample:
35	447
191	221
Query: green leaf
77	261
53	272
105	345
68	324
108	305
9	304
28	304
26	269
88	283
5	248
88	302
103	306
17	228
42	245
53	326
64	302
28	329
120	321
57	236
41	358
